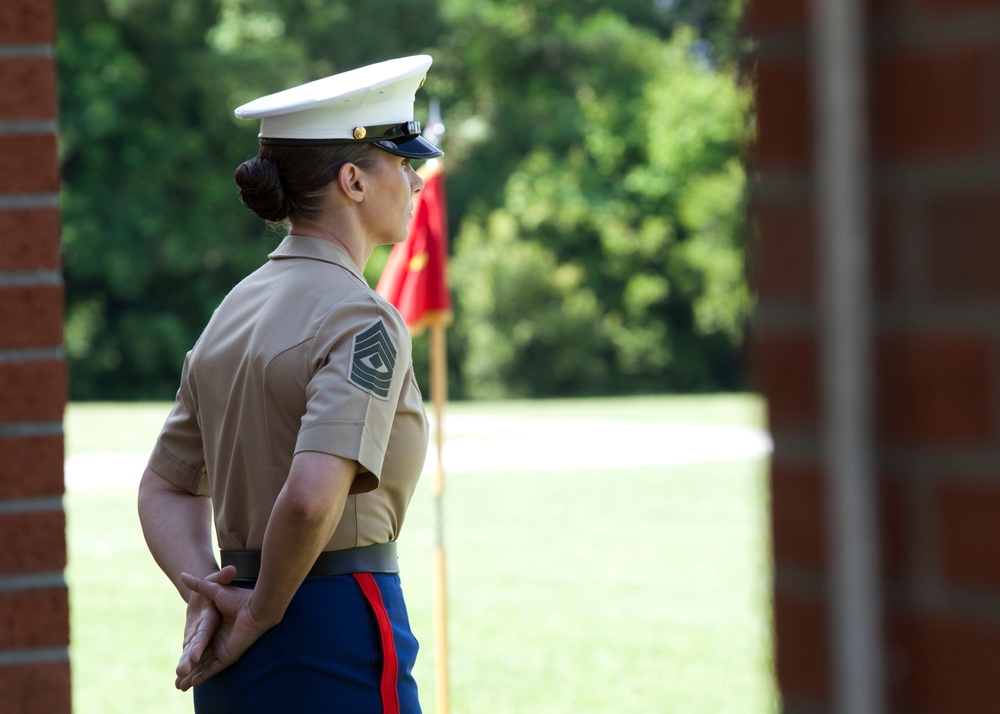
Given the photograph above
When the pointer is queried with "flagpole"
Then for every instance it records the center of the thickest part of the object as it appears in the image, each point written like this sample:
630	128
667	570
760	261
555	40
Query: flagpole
439	394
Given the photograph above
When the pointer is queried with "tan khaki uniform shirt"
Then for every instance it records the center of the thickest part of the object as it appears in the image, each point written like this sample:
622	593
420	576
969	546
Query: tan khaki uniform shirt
301	356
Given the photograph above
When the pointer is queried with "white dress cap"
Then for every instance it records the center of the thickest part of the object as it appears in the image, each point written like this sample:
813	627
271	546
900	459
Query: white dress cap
372	104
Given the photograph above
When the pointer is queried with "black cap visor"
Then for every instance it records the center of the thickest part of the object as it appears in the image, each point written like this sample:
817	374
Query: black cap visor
412	147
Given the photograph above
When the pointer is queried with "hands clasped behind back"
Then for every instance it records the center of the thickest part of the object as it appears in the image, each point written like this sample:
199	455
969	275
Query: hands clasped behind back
202	619
221	626
304	517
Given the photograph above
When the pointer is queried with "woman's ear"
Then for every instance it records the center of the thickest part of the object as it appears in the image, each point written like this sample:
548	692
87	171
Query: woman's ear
352	180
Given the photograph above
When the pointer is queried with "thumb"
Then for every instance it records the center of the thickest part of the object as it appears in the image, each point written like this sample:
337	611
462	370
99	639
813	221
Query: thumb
201	585
224	576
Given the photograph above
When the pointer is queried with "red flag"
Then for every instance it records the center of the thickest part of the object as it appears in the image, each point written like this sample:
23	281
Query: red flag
414	278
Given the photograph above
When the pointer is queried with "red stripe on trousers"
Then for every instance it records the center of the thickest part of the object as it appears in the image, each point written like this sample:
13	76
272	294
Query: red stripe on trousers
390	663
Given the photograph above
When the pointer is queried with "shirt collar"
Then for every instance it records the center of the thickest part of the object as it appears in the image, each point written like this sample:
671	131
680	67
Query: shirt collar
296	246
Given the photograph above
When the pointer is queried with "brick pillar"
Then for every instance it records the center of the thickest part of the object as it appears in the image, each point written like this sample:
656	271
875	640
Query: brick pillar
934	95
34	609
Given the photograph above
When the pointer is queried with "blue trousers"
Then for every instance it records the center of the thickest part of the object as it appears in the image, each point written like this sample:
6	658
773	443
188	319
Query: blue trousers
344	646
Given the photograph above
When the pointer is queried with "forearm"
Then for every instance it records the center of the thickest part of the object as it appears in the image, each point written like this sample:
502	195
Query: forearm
303	520
177	527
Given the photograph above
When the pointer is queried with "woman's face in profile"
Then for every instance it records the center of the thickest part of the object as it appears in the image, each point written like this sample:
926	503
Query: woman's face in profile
393	184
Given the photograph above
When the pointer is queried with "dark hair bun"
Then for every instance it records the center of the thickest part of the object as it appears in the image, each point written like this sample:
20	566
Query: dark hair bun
261	190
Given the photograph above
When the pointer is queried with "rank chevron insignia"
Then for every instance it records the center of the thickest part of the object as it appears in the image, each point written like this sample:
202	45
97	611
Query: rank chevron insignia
373	359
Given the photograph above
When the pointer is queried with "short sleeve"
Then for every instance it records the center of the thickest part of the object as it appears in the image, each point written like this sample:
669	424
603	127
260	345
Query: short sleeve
362	354
179	454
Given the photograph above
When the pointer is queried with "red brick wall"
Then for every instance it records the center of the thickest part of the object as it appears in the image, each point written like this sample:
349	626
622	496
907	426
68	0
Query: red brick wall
34	607
933	71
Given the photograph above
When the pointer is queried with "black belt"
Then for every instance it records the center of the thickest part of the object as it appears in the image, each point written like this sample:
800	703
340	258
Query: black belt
379	558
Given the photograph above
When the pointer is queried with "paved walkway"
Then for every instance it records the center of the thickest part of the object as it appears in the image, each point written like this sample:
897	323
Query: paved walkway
479	443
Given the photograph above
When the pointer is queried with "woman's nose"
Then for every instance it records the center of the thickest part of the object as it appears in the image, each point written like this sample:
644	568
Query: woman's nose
416	182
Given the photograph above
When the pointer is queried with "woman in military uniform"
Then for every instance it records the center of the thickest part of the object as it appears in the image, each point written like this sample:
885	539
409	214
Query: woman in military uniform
298	423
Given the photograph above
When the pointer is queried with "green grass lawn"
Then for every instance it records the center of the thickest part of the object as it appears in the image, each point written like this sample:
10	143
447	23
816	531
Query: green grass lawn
601	590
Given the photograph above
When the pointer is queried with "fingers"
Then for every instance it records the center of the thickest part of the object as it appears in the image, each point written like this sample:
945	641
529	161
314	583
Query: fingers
186	681
227	598
211	664
203	619
204	586
220	627
224	576
197	656
198	661
198	675
197	640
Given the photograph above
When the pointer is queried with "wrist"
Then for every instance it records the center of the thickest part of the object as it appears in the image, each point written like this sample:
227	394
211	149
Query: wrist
264	614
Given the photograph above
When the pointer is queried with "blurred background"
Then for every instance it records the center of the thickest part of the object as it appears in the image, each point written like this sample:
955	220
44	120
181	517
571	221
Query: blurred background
594	177
678	228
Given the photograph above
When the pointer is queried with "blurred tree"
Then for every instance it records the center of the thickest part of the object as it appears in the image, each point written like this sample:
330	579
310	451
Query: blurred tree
149	221
616	152
595	183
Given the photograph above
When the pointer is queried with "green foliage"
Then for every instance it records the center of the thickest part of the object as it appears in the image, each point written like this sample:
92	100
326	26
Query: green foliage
153	235
633	208
594	180
533	332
